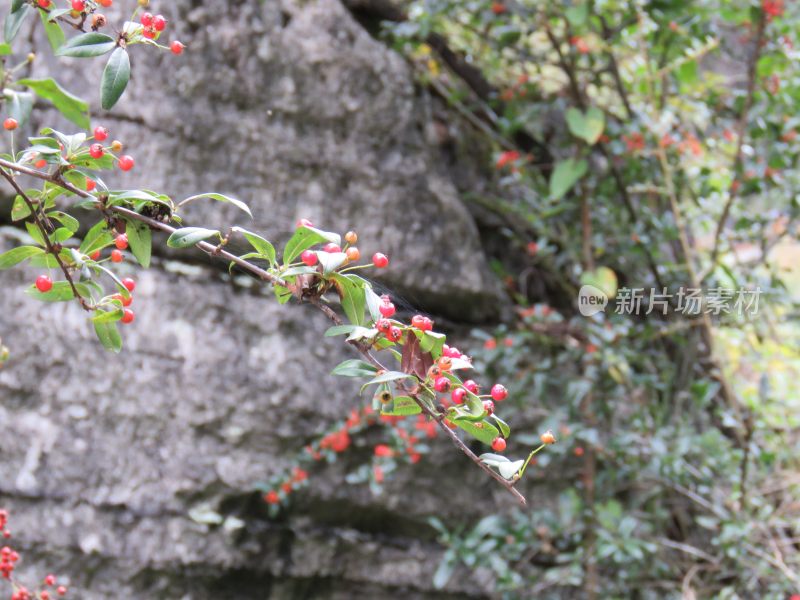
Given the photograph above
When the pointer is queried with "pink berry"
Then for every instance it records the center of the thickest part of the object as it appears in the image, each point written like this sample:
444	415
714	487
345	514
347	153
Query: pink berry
442	384
309	258
129	284
44	283
100	134
331	248
458	395
488	406
471	386
380	260
176	47
498	444
387	309
126	162
96	151
50	580
499	392
303	223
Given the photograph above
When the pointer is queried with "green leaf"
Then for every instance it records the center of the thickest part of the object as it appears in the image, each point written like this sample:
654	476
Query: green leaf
107	316
189	236
219	198
565	175
20	105
373	302
502	425
87	44
16	4
603	279
109	336
589	127
294	271
331	261
20	209
483	431
262	246
115	78
354	368
402	406
510	469
53	31
18	255
66	220
353	298
576	15
387	377
72	107
432	342
96	238
340	330
304	238
140	239
14	21
60	292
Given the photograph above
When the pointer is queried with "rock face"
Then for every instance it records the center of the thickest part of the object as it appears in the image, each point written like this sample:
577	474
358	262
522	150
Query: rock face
294	108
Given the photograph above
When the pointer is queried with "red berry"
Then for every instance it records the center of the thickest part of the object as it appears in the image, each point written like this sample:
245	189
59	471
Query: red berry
44	283
147	19
44	3
458	395
380	260
394	334
100	134
309	258
383	325
498	444
331	248
488	406
422	323
10	124
149	33
50	580
96	151
272	497
78	5
129	284
387	309
128	316
61	590
90	184
116	256
121	242
126	162
499	392
41	163
547	437
159	23
95	255
105	3
125	301
471	386
442	385
176	47
44	595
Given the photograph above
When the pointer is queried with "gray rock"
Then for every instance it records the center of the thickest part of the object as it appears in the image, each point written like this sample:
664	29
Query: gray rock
292	107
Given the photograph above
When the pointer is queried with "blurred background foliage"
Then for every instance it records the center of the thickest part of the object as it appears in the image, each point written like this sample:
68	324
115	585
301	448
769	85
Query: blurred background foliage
658	140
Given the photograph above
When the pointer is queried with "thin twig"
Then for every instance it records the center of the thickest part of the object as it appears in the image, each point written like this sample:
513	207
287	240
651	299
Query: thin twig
216	251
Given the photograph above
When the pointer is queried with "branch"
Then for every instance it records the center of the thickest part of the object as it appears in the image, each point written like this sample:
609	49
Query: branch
741	128
217	251
51	249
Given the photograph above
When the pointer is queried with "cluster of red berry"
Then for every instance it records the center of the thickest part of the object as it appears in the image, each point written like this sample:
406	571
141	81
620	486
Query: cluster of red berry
97	151
311	257
298	476
8	562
